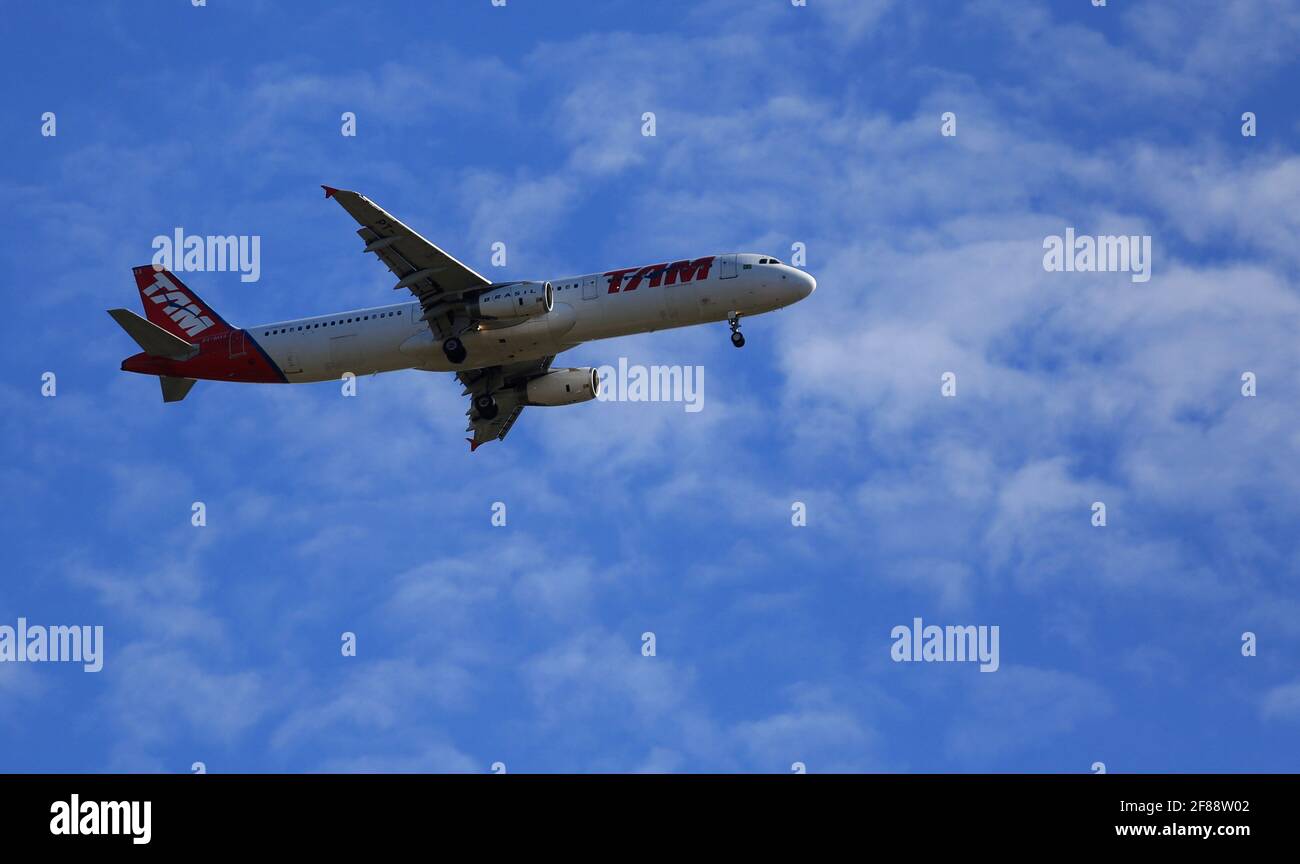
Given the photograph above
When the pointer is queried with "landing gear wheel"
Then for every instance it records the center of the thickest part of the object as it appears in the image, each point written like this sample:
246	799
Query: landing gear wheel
736	338
486	406
455	350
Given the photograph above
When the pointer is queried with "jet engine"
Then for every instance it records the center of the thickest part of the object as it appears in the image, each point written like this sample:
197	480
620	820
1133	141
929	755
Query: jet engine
562	387
511	300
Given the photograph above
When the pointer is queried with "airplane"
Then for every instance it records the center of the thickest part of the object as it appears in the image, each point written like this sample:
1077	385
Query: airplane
500	338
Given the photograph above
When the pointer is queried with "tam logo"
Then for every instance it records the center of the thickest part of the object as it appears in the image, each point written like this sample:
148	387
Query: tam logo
179	306
677	272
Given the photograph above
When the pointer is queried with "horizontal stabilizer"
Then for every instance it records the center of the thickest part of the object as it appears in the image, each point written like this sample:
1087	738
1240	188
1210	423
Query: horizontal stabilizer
155	341
175	389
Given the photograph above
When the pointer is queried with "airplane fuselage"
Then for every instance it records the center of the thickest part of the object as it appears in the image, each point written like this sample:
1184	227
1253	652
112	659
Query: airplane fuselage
594	306
499	338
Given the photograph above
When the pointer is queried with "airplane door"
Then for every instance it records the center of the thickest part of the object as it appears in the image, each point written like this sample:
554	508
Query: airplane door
589	288
237	343
727	267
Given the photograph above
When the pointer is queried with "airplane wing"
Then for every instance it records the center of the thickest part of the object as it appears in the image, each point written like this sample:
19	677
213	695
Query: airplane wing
436	279
498	381
440	282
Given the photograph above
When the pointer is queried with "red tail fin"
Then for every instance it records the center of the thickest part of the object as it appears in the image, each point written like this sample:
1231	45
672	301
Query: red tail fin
174	307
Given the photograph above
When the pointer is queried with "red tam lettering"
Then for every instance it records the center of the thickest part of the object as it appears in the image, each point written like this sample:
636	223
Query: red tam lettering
689	271
616	278
644	272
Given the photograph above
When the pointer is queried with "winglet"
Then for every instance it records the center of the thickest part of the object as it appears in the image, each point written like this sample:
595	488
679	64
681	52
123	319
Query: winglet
329	190
473	445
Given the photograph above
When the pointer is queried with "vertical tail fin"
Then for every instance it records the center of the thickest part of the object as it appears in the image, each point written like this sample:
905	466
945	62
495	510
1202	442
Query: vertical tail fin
172	306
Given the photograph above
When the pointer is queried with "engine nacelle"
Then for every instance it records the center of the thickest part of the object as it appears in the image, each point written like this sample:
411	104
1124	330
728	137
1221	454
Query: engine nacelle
563	387
514	300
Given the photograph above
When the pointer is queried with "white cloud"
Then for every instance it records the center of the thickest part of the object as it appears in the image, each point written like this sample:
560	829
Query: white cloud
1282	702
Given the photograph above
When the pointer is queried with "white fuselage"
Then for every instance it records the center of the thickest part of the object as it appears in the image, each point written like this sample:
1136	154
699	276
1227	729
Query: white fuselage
594	306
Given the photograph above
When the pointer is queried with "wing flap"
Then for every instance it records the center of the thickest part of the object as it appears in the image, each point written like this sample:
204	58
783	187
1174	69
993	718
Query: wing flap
508	410
501	382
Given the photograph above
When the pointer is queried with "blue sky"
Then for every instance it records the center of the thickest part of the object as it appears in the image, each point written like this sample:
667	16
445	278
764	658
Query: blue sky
775	125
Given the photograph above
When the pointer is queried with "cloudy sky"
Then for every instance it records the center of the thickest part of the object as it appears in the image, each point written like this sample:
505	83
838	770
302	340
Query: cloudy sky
775	125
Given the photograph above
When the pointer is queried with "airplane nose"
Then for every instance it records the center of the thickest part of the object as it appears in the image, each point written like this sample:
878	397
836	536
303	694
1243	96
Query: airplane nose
807	283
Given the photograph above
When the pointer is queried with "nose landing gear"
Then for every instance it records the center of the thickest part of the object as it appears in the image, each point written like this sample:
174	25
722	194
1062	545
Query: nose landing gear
737	338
